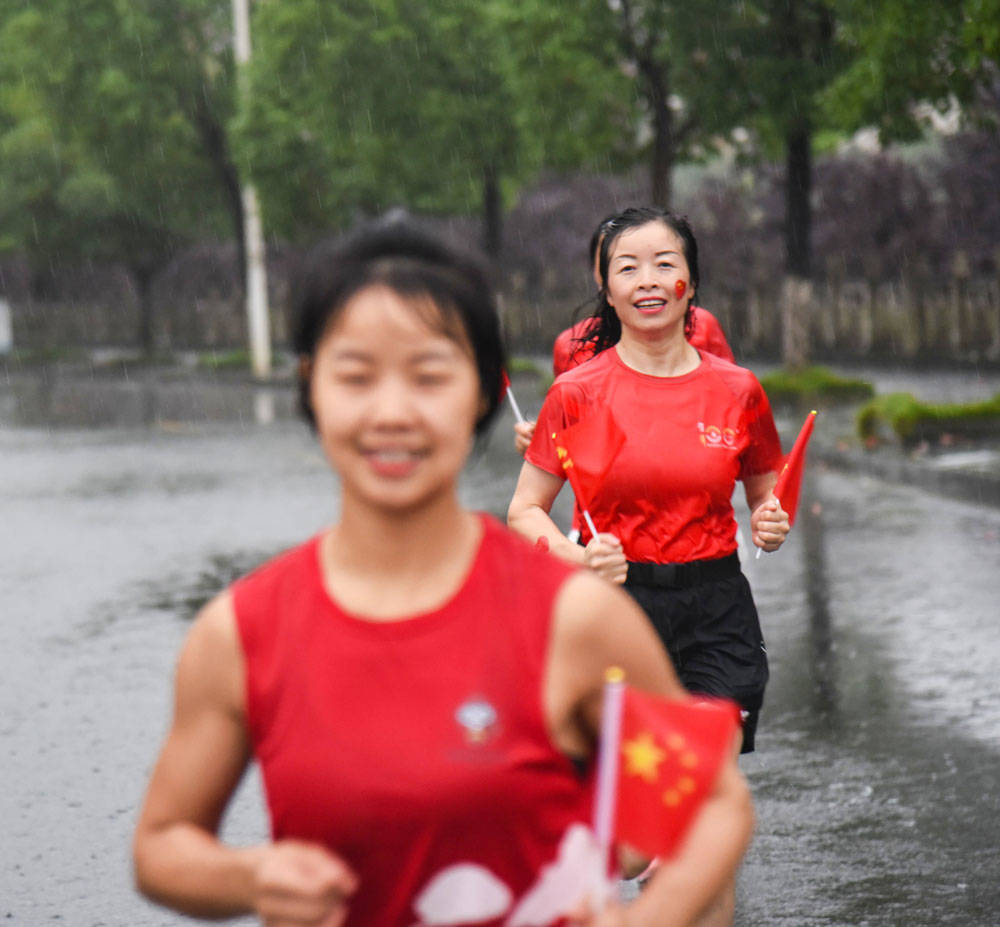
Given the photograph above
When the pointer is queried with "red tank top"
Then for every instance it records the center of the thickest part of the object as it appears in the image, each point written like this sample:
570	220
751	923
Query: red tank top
414	749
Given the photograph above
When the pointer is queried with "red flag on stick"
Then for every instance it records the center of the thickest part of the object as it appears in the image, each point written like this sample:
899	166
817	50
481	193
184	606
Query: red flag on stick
789	484
505	390
670	756
658	762
586	451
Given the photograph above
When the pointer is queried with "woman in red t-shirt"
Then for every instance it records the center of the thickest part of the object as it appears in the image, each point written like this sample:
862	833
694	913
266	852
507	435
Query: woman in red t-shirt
694	425
575	344
420	687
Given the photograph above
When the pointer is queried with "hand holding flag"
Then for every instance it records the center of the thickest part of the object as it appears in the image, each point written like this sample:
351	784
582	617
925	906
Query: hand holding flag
789	485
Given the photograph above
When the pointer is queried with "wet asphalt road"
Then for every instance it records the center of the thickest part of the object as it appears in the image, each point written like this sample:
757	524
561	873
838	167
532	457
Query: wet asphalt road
875	780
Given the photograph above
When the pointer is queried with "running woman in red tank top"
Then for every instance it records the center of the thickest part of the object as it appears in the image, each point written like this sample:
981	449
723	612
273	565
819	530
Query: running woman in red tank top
420	688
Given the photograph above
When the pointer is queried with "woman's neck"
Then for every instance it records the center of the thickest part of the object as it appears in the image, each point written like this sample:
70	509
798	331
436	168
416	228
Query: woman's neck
661	355
387	565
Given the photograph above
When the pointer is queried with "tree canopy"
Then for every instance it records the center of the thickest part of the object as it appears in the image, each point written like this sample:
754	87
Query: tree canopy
122	134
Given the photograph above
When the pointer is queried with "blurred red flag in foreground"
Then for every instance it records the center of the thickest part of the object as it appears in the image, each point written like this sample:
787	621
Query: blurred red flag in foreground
587	450
669	757
789	484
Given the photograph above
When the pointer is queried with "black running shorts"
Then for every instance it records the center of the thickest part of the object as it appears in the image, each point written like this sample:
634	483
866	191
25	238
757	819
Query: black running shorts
712	633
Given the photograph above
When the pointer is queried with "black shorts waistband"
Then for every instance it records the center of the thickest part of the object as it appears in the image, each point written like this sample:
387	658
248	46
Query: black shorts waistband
682	575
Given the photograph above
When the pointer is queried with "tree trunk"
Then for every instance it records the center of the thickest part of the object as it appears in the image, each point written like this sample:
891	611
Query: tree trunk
797	291
664	142
492	212
216	146
798	211
796	304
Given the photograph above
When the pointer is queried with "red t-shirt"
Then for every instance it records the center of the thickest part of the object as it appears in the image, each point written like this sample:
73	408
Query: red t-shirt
688	439
417	750
567	352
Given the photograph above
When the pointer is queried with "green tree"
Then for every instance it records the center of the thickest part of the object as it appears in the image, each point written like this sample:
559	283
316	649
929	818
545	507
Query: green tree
445	106
791	53
906	53
112	138
685	61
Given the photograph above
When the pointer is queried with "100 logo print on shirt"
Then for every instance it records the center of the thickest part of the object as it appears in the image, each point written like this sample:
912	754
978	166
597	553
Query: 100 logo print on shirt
714	436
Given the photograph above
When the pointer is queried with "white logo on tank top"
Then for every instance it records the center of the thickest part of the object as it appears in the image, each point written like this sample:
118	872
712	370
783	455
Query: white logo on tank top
468	893
477	718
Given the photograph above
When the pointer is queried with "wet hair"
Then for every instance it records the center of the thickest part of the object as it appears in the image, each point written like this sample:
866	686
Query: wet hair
588	308
608	329
595	239
454	285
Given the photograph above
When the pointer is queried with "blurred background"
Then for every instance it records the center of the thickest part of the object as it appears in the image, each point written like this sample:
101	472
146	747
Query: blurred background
165	167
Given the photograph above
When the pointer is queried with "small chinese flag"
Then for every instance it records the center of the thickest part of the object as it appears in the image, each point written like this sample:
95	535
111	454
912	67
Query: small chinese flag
587	450
669	757
789	484
505	390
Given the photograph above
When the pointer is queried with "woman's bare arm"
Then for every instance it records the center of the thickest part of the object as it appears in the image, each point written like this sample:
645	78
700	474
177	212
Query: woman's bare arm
528	515
178	858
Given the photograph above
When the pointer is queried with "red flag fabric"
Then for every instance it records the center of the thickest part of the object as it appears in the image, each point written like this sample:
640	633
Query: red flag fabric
669	757
587	450
789	483
504	384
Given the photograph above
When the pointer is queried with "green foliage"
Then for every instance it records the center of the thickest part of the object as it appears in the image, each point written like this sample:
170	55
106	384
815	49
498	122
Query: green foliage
789	52
980	35
913	421
44	356
100	154
524	365
814	386
357	107
906	52
225	360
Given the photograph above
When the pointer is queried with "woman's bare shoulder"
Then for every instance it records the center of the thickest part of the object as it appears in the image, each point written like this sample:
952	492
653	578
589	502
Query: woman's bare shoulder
211	659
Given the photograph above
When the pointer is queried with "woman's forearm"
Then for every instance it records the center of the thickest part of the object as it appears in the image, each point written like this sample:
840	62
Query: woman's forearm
188	869
533	522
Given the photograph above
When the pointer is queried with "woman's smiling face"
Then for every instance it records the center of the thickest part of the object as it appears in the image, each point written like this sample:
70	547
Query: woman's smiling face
396	396
645	267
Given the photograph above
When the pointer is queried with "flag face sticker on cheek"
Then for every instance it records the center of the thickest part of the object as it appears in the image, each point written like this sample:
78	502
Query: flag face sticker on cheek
670	754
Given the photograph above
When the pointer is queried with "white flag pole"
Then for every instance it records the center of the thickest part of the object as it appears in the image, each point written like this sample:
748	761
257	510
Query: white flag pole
514	406
606	792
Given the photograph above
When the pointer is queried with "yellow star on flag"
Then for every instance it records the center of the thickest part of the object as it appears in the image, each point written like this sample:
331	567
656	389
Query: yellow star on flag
643	757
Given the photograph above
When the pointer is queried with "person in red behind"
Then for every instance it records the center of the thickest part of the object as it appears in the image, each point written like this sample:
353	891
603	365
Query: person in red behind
574	345
693	425
420	687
